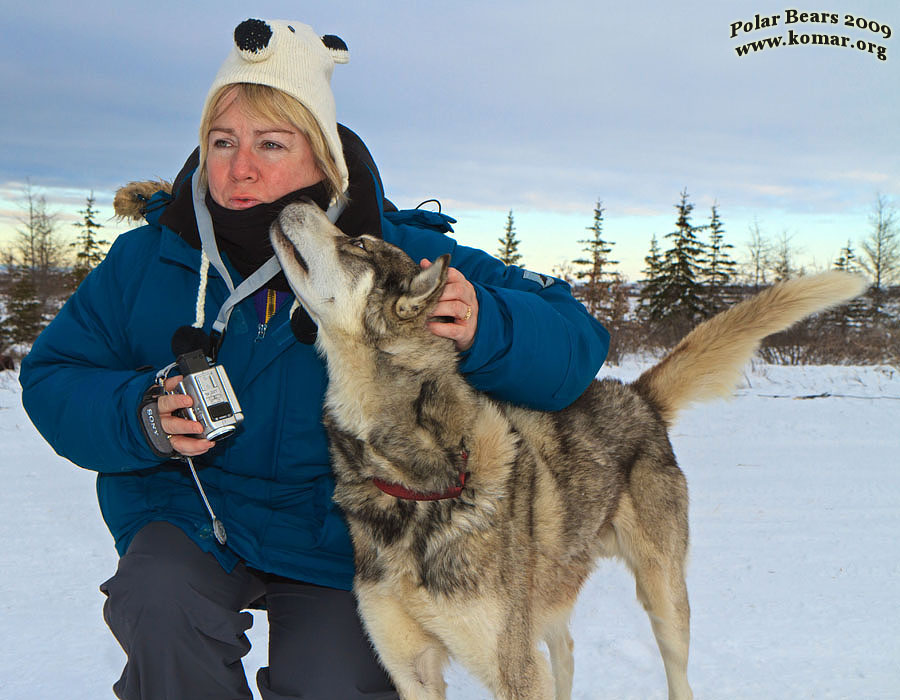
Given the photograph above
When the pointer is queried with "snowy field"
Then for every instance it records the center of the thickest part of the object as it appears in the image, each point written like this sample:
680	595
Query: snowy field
794	573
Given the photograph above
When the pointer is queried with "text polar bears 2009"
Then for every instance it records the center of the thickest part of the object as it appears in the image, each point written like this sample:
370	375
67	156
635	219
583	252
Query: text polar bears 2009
796	37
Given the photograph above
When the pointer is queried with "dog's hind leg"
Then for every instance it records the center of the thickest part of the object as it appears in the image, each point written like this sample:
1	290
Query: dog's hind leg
655	549
664	597
560	645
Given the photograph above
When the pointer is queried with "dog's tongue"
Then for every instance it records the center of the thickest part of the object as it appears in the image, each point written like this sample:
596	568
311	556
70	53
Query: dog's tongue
303	327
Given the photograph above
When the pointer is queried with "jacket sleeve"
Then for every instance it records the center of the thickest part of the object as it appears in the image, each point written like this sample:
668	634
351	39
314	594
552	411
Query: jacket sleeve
535	344
79	383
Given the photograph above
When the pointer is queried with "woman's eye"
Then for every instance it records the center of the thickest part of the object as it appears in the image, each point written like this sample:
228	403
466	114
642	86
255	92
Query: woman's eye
272	146
220	143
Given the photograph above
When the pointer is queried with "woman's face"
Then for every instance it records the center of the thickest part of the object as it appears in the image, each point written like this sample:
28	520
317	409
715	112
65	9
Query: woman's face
252	162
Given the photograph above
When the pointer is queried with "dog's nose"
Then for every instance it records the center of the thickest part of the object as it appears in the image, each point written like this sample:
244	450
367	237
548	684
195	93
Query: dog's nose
293	214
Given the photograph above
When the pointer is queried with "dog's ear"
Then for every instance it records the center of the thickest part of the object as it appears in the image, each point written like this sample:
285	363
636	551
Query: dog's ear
422	288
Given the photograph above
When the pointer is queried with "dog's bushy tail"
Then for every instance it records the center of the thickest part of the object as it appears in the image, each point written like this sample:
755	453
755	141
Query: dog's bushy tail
707	362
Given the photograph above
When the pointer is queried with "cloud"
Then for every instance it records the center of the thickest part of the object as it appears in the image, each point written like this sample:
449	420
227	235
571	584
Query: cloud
486	106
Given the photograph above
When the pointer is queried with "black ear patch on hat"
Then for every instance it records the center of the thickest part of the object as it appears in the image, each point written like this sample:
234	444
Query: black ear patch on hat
337	48
335	43
252	35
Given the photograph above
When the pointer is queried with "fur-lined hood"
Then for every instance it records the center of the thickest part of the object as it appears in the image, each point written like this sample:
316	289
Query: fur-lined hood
131	199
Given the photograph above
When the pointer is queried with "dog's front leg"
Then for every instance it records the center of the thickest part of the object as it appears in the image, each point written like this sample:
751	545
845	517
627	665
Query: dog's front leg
560	646
523	673
413	657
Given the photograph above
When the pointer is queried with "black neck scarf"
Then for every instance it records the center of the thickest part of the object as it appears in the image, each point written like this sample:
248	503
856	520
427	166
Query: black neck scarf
243	234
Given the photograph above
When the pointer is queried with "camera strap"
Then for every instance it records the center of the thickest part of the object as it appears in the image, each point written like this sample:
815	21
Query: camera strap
255	281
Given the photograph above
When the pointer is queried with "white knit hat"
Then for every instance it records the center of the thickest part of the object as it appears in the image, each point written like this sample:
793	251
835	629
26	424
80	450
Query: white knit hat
290	57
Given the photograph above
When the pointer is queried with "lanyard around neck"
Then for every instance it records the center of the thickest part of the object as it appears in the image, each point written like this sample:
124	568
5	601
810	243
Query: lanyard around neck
255	281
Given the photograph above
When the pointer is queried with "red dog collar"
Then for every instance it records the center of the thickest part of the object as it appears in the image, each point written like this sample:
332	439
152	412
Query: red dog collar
400	491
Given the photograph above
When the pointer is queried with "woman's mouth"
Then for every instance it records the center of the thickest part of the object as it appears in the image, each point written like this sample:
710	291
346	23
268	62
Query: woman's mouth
242	202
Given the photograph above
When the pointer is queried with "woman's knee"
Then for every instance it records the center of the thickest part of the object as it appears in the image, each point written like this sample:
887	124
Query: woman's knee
166	582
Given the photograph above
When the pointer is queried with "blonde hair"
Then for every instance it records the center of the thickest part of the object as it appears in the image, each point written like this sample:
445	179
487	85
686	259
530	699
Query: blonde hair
270	104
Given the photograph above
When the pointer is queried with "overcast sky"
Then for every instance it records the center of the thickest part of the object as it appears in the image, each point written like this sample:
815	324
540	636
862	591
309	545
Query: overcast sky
492	106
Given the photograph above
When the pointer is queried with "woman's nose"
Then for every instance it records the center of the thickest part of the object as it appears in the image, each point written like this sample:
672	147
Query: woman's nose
243	166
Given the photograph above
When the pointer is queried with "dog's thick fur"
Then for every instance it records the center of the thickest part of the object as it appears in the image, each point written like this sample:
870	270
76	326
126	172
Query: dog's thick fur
485	576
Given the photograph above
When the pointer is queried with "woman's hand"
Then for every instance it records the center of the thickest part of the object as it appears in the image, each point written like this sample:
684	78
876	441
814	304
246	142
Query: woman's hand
179	429
458	302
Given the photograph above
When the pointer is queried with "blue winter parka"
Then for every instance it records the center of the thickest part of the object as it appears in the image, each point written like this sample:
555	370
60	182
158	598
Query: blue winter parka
270	483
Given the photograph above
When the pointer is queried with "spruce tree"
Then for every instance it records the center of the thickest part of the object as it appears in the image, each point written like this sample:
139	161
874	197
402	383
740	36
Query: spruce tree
87	246
652	284
676	302
853	314
596	292
847	260
509	244
25	310
719	270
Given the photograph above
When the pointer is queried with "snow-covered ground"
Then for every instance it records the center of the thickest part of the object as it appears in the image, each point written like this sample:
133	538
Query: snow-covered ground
794	572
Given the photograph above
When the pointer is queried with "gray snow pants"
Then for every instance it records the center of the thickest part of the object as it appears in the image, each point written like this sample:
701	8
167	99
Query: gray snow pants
178	615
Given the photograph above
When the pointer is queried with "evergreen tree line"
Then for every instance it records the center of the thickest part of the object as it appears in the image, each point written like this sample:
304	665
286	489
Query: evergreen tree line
692	274
39	270
688	276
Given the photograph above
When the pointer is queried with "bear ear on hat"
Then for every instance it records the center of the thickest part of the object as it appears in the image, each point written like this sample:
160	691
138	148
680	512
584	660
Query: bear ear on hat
337	47
253	38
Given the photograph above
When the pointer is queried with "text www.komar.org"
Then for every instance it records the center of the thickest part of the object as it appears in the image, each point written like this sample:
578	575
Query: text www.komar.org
801	38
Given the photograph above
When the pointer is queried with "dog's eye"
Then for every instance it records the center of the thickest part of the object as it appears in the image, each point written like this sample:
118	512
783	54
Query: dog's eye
356	247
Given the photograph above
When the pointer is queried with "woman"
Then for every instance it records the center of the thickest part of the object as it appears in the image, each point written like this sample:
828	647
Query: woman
268	136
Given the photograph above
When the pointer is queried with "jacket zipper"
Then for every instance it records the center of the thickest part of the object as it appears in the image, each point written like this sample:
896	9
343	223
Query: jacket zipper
270	311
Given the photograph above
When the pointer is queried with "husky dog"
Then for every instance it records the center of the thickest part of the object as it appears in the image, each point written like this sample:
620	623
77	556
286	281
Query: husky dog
534	498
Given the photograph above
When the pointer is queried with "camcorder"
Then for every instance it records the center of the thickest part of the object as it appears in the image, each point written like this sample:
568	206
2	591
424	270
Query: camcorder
215	406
